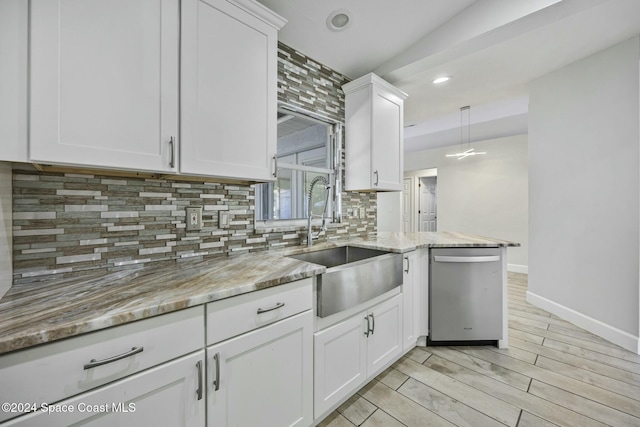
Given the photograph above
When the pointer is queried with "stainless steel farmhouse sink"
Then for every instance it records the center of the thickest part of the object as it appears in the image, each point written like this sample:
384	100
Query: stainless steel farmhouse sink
354	275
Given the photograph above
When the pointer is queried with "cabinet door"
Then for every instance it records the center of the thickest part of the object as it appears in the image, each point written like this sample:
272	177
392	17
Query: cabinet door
166	395
386	139
229	91
423	285
410	300
104	83
384	344
264	377
340	362
14	34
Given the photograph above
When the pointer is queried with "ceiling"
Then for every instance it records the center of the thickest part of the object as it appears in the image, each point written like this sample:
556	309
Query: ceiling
491	49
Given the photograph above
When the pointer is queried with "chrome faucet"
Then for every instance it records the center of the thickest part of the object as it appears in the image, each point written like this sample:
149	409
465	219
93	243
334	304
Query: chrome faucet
325	182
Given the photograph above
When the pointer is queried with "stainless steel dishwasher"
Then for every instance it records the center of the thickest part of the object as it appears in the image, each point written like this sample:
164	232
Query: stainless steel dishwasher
465	294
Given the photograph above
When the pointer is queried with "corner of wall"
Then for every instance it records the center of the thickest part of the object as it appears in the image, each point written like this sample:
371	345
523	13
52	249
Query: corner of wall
6	241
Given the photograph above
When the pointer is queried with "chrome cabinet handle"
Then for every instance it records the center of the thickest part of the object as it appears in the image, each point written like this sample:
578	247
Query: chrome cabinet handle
408	264
366	333
93	362
199	390
377	177
275	167
275	307
373	323
216	382
172	146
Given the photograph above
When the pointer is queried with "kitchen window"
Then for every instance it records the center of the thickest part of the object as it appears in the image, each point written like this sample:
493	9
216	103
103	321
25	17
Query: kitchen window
307	148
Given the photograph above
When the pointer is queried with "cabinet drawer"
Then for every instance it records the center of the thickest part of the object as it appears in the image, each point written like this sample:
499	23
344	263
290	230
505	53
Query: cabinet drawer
52	372
234	316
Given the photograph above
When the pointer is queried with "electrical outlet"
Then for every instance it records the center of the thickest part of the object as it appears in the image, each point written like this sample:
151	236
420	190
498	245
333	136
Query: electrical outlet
194	219
223	219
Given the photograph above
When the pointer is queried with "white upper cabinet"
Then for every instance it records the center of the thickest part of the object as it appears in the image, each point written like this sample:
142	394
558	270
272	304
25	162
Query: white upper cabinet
374	135
104	83
229	89
14	35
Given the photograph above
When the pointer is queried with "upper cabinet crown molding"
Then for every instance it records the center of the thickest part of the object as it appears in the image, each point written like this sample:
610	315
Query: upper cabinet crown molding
262	12
373	79
374	117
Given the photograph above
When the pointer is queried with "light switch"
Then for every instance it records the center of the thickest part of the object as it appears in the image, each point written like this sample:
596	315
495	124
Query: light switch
223	219
194	219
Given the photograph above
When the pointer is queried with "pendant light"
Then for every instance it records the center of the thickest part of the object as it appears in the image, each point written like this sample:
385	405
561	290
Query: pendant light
465	111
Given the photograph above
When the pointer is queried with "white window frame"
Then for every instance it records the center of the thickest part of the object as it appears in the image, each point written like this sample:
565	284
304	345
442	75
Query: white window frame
334	172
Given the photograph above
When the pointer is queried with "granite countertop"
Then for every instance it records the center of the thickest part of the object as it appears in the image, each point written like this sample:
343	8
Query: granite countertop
43	312
407	242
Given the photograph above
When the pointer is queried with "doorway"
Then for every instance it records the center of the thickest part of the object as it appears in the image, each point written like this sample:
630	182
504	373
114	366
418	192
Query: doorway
427	203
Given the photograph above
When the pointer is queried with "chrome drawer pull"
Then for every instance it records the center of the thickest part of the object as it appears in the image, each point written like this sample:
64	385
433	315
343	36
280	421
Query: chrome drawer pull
93	362
199	390
368	331
216	382
275	307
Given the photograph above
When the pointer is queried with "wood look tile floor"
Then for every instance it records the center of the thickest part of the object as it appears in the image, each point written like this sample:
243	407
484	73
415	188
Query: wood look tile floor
552	374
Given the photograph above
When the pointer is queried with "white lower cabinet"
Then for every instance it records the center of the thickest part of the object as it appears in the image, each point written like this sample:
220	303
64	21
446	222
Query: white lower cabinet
349	353
384	343
411	300
171	394
340	364
263	377
78	367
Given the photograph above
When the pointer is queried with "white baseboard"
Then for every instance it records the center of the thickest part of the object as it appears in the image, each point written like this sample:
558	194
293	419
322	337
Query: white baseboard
608	332
518	268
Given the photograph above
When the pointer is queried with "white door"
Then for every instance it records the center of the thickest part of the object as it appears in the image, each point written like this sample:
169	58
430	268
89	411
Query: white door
264	377
406	206
104	83
384	344
340	362
167	395
428	212
228	91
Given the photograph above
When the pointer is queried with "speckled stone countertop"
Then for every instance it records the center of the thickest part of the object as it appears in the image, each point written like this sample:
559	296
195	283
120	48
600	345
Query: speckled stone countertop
40	313
407	242
43	312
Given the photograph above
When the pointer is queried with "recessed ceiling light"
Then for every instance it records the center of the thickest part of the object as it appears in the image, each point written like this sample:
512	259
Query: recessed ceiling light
339	20
440	80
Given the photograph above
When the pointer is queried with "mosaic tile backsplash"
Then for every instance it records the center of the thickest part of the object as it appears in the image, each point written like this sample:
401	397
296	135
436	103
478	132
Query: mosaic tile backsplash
67	224
70	223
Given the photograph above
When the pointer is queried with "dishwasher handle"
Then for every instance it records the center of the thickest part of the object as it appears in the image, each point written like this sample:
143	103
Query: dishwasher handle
468	259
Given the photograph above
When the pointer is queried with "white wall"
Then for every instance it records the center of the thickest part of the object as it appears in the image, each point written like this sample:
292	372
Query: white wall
5	228
485	195
389	211
584	192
